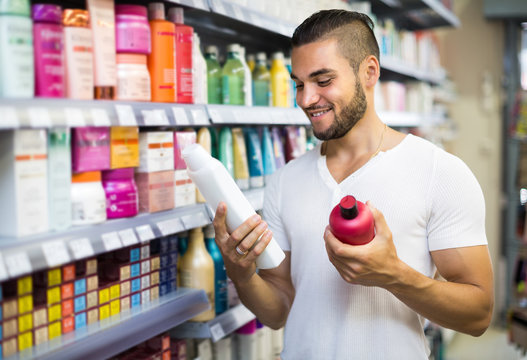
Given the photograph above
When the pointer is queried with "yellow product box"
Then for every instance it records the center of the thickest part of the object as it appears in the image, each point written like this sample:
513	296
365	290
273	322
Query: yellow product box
54	295
104	312
25	304
25	285
115	307
154	278
104	295
115	291
54	312
25	323
124	147
25	341
54	277
54	329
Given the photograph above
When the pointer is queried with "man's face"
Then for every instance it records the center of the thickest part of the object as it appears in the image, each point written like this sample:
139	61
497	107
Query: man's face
327	89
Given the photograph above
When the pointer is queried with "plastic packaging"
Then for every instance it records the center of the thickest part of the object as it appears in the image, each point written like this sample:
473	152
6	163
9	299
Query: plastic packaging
184	44
213	75
121	193
233	78
16	50
225	155
124	147
133	78
59	178
241	166
48	39
132	31
351	221
199	72
88	200
269	164
261	81
203	138
247	82
161	61
256	172
78	54
278	147
280	81
216	185
246	342
220	275
90	148
197	271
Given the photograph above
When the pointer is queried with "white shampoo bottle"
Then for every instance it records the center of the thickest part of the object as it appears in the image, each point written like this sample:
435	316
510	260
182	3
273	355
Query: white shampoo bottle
216	185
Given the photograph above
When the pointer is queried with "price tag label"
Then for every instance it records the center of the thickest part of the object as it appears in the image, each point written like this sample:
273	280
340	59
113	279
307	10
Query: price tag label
215	116
9	118
74	117
111	241
145	232
180	116
216	332
81	248
17	264
200	117
100	117
3	271
156	117
55	253
192	221
172	226
39	117
128	237
126	116
238	13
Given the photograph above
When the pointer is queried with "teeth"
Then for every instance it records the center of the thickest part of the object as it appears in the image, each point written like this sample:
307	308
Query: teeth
319	113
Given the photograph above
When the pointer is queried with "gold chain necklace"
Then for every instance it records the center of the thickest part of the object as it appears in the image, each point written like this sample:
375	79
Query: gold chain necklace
380	143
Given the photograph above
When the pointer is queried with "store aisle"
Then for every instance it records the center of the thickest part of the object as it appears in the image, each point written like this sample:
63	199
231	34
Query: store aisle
493	345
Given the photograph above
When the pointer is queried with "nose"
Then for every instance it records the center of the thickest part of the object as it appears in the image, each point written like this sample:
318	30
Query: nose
307	96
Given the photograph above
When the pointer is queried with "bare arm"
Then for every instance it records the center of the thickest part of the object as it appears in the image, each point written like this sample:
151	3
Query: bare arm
268	293
463	302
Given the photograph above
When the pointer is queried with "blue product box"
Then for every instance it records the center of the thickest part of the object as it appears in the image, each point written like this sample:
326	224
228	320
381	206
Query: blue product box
80	320
163	260
172	272
135	270
80	286
136	285
135	300
0	313
173	284
173	258
135	254
80	303
164	245
163	289
174	241
163	275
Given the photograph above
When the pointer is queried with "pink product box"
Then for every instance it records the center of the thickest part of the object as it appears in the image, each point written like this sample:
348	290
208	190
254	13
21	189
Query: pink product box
90	149
156	190
181	140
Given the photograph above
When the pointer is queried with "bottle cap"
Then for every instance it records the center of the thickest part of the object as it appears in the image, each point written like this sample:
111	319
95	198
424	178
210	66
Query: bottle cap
47	13
195	156
156	11
84	177
75	17
176	15
136	10
278	55
348	207
248	329
209	232
211	49
261	56
124	173
122	58
20	8
233	48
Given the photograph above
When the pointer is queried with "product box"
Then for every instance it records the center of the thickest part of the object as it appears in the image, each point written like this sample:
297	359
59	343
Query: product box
156	190
59	178
184	189
181	140
156	149
90	148
124	150
23	179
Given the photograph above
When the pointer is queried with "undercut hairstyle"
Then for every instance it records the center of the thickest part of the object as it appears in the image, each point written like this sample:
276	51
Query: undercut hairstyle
352	30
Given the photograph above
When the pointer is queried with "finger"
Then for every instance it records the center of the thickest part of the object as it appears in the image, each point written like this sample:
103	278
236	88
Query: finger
219	222
381	227
244	229
248	242
260	245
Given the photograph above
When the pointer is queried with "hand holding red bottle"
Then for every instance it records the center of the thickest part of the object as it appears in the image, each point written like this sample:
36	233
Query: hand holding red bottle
351	221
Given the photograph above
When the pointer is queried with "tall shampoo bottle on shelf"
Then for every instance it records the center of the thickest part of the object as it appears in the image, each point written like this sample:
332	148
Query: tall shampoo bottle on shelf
280	79
184	56
213	75
199	72
16	50
216	184
197	271
247	83
233	78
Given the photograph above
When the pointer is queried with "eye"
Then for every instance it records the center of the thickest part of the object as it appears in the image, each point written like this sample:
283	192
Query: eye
323	83
299	86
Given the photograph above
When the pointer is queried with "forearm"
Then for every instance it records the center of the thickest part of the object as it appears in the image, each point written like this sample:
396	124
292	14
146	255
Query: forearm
462	307
266	300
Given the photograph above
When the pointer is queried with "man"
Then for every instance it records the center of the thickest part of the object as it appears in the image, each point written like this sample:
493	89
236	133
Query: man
339	301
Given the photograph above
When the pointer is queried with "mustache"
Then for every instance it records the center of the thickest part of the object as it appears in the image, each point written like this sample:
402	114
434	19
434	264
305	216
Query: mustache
318	107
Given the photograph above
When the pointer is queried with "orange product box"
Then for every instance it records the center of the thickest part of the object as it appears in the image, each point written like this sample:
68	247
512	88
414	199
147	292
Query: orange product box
156	191
66	290
67	307
68	272
68	324
124	147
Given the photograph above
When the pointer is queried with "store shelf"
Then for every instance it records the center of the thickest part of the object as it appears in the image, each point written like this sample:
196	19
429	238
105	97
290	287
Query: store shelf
410	71
196	4
256	115
518	328
120	332
216	329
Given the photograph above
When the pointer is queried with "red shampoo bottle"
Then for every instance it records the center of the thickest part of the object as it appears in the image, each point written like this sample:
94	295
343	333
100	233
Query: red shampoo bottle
351	221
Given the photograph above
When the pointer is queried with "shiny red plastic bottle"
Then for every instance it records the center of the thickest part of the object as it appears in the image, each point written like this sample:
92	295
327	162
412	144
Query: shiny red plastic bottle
351	221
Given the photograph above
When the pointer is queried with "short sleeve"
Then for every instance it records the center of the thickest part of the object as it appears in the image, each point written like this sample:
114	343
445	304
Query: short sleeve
456	205
271	210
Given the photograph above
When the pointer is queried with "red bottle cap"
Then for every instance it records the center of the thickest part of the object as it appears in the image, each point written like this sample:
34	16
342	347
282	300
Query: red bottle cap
348	207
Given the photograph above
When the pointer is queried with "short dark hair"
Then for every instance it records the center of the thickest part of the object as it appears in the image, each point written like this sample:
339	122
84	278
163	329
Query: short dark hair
353	31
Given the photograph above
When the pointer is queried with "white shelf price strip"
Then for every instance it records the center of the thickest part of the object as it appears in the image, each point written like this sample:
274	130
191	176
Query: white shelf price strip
180	116
111	241
17	264
126	115
128	237
216	332
39	117
74	117
9	118
145	232
100	117
81	248
55	253
3	272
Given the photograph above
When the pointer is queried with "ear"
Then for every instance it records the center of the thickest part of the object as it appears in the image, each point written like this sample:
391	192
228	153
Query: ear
371	71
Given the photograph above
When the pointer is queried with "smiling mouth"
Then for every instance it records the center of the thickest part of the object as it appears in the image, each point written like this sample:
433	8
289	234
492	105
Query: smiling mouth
319	112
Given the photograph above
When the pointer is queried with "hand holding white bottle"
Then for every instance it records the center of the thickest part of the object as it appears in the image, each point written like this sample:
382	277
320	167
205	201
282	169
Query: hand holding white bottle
216	185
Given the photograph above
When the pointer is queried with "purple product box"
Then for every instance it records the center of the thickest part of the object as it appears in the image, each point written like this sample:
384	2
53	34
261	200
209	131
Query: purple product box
90	149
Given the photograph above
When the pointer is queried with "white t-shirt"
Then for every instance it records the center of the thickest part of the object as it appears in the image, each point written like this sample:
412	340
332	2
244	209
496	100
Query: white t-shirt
430	200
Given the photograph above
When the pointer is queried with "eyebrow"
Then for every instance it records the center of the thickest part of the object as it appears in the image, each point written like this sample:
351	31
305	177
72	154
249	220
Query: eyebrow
323	71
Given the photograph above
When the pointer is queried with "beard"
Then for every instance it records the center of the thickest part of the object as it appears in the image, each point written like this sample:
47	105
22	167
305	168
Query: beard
347	118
